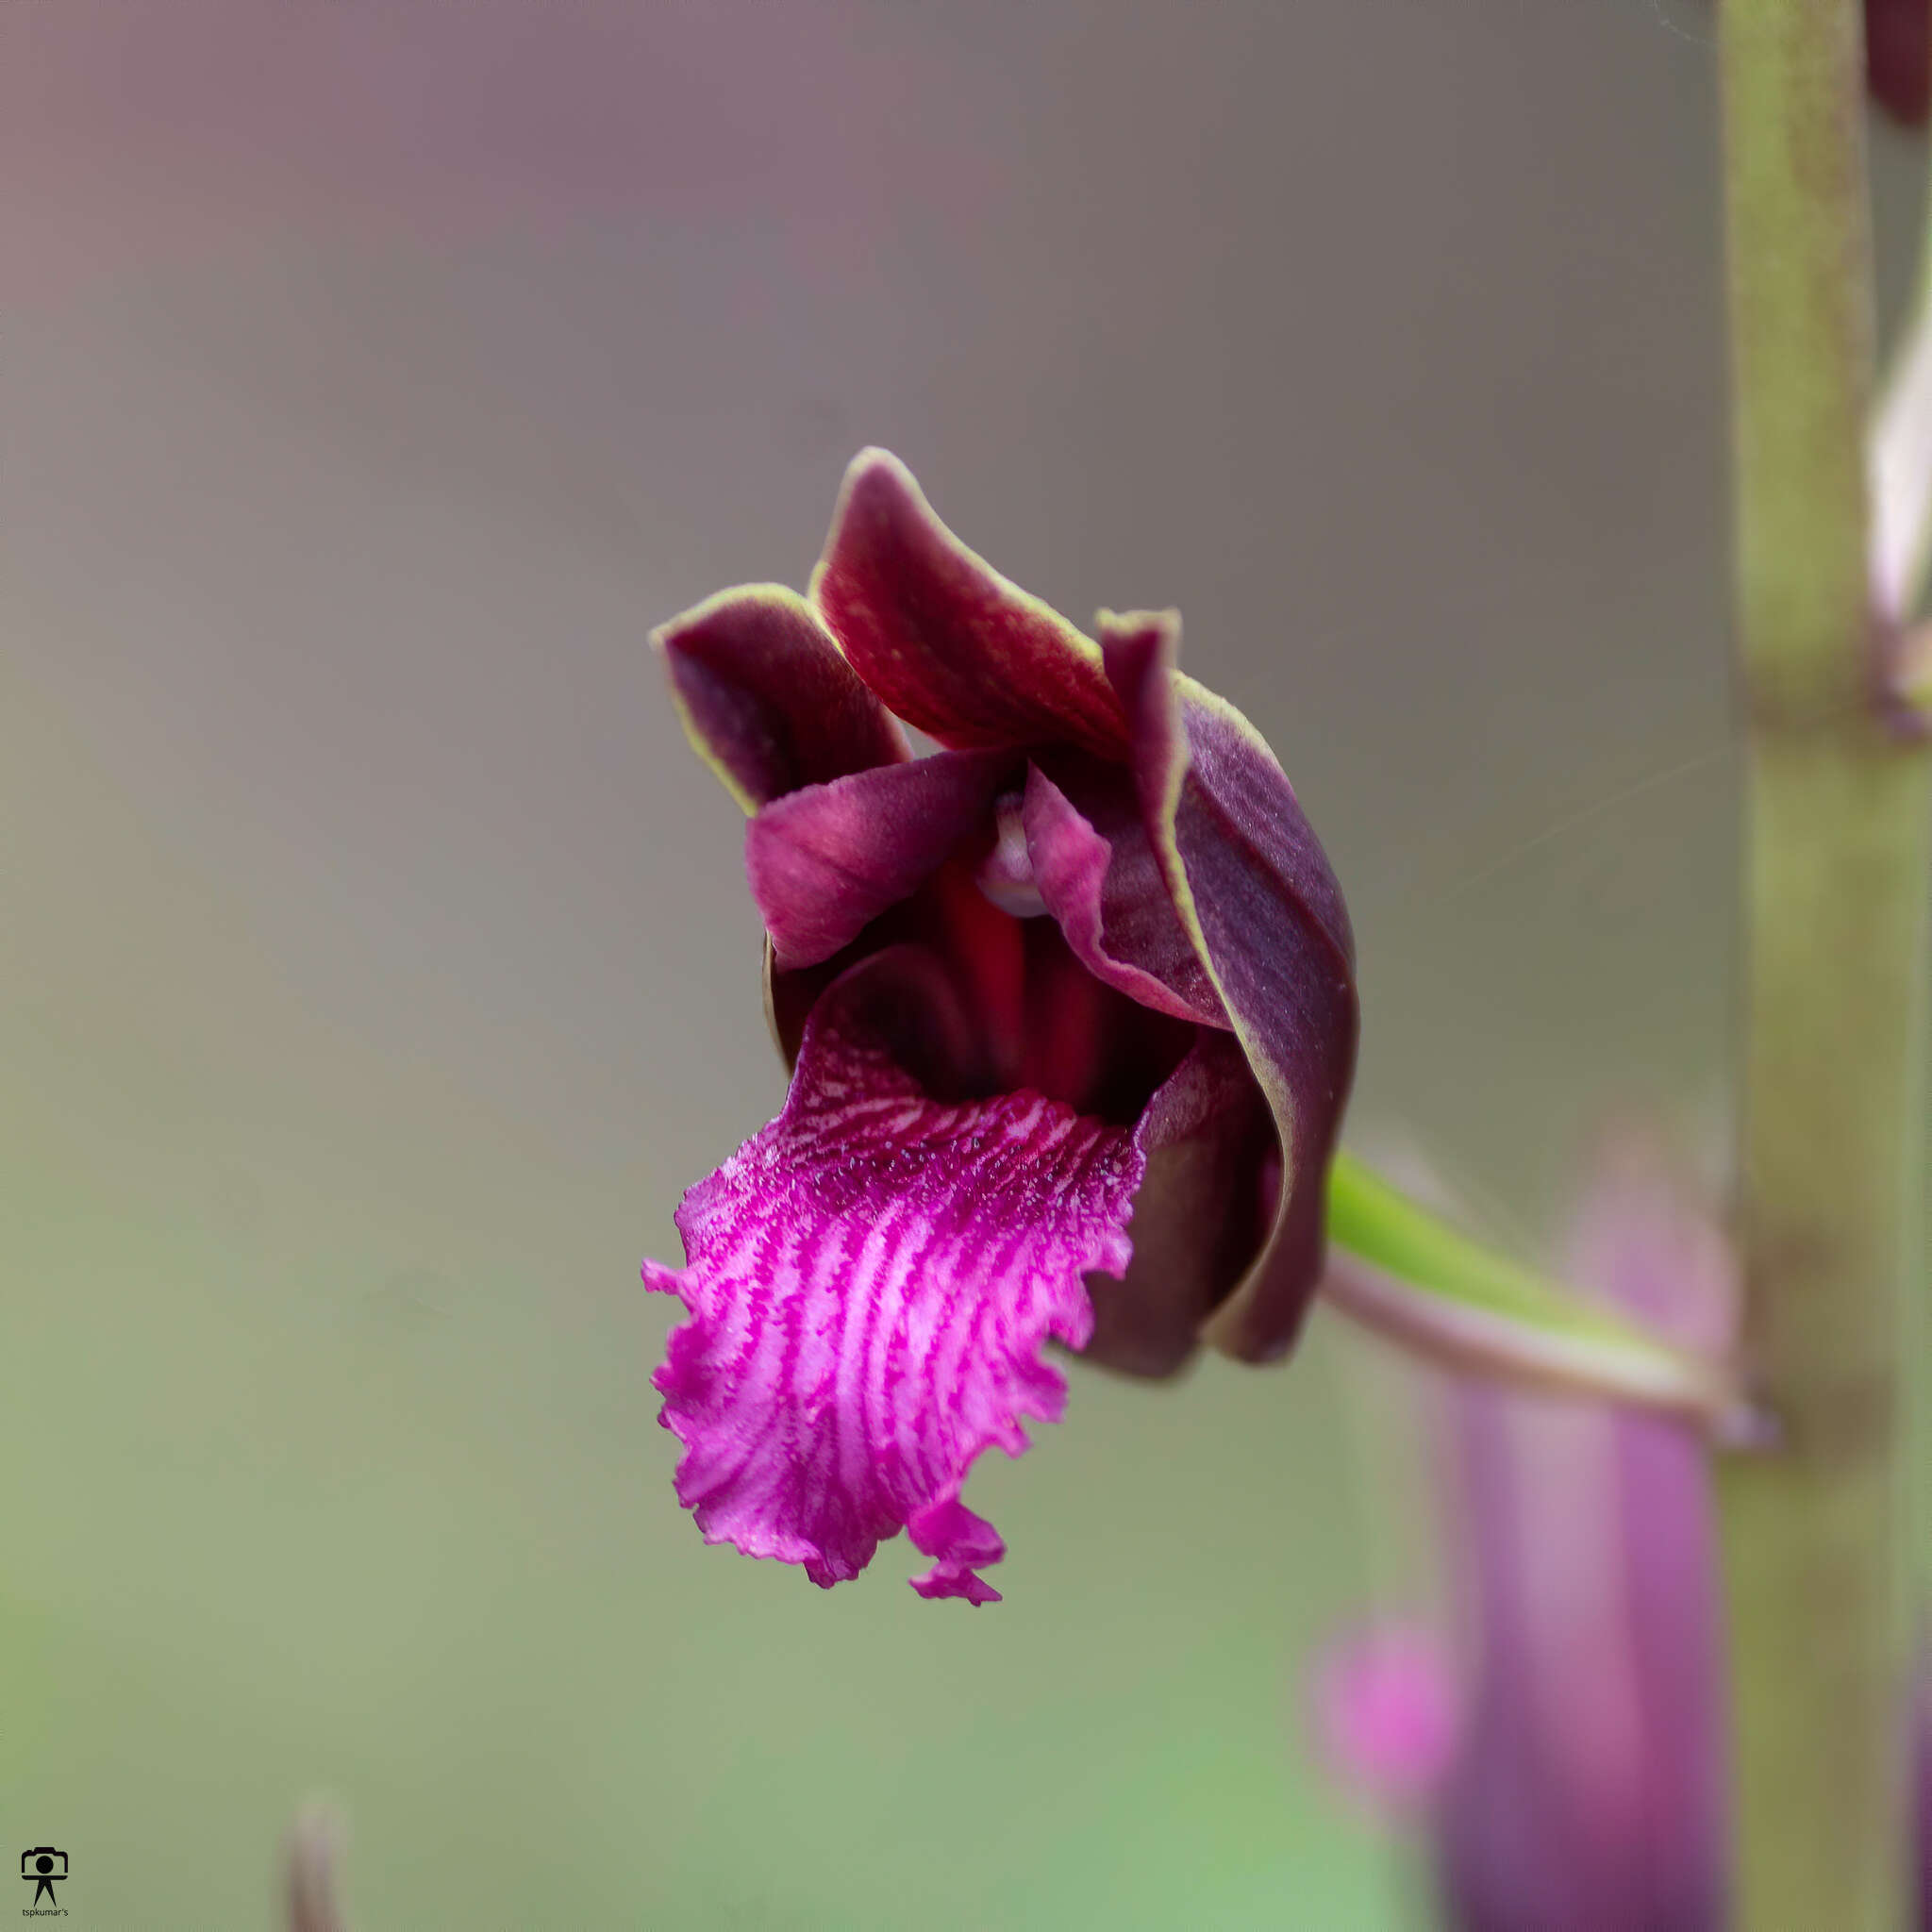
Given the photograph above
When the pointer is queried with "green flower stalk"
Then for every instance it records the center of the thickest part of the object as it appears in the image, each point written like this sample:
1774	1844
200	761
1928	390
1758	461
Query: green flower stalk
1837	808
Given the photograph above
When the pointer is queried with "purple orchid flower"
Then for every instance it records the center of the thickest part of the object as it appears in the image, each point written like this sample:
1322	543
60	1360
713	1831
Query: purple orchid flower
1566	1755
1085	966
1585	1787
1591	1792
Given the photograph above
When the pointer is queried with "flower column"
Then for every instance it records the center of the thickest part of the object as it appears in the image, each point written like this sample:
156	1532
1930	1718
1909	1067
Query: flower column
1835	935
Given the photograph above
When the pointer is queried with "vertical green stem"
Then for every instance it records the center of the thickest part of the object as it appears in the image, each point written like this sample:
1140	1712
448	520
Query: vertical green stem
1836	974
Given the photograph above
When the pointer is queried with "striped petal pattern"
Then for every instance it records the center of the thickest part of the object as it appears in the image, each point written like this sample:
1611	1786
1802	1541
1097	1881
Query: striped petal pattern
870	1279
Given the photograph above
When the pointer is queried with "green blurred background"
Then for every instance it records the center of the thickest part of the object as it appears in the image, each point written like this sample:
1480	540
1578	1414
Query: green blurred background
376	963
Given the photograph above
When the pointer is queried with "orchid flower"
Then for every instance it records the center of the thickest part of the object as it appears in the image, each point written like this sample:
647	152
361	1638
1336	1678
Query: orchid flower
1590	1791
1564	1749
1583	1787
1071	1009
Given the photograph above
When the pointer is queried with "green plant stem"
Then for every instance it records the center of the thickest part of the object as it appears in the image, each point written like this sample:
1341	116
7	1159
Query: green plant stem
1835	931
1417	1280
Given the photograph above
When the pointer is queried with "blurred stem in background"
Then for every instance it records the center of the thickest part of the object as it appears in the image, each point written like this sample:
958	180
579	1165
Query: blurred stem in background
310	1858
1835	896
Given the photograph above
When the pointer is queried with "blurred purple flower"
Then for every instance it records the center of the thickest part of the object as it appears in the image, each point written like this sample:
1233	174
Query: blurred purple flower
1388	1713
1085	962
1586	1787
1581	1784
1591	1790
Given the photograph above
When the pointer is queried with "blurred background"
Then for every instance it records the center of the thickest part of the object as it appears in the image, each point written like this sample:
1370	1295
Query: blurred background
378	968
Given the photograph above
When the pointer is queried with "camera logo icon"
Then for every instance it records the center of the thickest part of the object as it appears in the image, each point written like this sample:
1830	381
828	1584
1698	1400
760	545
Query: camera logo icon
46	1868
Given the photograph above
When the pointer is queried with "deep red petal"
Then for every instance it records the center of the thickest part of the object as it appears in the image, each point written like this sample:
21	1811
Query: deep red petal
825	860
1100	878
946	641
766	697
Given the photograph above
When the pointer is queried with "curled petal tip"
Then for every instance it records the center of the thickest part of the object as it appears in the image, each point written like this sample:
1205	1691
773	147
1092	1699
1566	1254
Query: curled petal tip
766	698
1156	630
874	459
946	641
963	1542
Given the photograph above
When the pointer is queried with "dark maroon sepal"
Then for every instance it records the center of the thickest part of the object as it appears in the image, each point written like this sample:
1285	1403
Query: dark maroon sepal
947	643
1253	886
766	697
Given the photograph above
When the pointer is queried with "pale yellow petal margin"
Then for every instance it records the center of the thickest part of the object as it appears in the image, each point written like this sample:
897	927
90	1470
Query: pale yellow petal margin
781	595
874	458
946	641
1224	1326
791	674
